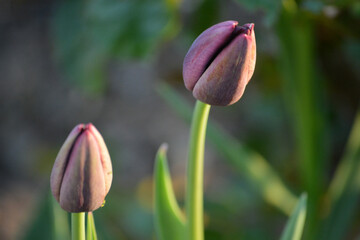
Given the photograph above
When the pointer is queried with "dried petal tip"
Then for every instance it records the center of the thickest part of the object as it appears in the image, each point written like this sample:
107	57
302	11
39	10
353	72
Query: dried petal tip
82	172
220	63
246	29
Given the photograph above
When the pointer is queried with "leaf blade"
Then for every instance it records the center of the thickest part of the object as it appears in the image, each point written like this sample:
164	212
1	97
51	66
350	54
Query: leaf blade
344	190
295	225
169	221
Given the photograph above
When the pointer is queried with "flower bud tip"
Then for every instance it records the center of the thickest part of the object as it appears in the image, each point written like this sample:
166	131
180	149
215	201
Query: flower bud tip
220	63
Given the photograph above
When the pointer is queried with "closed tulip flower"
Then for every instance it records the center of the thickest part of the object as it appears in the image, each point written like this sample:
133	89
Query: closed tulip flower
220	63
82	172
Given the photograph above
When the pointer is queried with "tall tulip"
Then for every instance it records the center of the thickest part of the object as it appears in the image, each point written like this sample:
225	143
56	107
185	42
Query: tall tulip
220	63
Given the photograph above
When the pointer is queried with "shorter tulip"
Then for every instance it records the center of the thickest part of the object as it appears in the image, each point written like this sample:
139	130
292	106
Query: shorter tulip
220	63
82	173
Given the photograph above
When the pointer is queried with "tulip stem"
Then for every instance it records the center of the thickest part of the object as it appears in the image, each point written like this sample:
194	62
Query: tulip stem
195	173
78	226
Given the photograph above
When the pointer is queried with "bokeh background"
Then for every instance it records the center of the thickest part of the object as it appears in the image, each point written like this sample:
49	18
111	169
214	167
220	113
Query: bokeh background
106	62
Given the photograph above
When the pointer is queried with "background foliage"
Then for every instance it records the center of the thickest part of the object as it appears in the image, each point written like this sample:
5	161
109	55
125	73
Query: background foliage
105	62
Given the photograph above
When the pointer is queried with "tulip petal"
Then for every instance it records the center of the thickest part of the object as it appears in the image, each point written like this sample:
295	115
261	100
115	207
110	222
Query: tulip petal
62	160
252	57
224	81
83	184
104	155
203	50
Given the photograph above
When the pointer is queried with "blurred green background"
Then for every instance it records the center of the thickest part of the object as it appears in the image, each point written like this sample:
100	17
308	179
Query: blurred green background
106	62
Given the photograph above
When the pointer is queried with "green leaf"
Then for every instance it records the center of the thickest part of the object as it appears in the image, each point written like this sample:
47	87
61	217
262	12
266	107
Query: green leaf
303	91
245	161
90	228
295	225
169	221
88	33
344	189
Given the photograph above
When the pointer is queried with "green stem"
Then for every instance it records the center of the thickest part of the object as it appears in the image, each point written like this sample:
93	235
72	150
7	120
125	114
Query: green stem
78	226
90	227
195	174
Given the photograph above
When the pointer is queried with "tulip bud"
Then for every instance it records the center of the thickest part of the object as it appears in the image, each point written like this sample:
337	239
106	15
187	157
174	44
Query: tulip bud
82	173
220	63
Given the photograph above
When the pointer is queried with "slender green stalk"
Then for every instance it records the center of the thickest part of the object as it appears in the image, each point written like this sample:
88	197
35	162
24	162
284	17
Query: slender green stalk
78	226
90	227
195	174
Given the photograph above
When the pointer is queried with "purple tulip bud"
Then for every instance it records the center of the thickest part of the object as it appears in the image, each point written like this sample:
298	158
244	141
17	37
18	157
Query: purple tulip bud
220	63
82	172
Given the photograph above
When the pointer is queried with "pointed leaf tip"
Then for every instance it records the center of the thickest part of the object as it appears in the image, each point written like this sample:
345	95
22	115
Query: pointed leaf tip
163	149
295	225
169	221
